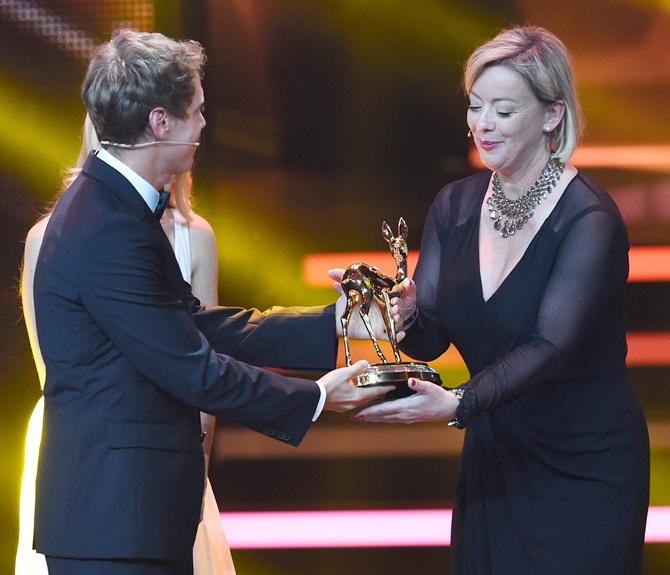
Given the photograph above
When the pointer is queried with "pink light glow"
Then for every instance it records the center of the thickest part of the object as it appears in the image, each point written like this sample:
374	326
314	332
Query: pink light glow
383	528
658	525
303	529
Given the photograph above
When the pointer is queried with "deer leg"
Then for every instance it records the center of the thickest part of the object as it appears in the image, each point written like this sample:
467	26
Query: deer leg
390	325
346	315
345	337
365	308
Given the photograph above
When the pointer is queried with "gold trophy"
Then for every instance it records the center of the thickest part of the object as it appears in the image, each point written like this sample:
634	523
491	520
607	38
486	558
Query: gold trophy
364	284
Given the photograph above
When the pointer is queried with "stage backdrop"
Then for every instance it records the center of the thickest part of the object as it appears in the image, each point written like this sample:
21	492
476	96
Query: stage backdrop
325	118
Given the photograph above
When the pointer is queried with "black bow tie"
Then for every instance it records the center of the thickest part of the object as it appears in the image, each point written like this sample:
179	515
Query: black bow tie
163	201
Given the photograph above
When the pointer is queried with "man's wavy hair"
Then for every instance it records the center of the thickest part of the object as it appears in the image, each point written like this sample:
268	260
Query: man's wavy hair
134	73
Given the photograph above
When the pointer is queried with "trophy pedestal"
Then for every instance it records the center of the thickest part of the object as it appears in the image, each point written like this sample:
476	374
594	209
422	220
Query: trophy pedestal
397	374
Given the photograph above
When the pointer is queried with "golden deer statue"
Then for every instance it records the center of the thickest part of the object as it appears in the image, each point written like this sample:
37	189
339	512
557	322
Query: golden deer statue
362	284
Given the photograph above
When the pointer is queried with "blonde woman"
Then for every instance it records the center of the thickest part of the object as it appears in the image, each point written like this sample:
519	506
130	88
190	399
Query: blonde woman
523	268
192	239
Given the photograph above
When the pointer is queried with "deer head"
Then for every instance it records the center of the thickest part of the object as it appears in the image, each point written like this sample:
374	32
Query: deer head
398	247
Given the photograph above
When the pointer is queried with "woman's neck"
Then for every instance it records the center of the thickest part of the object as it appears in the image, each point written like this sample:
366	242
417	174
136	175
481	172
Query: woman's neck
517	182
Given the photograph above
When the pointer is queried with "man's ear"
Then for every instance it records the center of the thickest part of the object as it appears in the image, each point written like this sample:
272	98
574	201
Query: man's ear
159	123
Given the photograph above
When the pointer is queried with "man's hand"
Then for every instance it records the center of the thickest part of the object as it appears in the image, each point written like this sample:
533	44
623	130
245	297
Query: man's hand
343	395
430	403
336	275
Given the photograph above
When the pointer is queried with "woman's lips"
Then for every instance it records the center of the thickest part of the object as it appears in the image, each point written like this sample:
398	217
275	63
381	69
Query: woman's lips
488	145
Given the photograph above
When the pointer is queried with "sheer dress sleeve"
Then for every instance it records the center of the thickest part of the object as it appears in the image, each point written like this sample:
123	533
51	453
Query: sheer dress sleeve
427	338
590	268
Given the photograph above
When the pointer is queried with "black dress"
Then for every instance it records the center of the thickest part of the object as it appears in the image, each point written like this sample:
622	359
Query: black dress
554	476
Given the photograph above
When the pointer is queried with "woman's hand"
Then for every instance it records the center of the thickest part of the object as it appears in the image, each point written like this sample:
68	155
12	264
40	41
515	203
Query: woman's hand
357	329
403	302
430	403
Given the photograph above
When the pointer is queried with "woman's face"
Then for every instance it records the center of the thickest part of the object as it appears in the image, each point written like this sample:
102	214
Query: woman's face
508	123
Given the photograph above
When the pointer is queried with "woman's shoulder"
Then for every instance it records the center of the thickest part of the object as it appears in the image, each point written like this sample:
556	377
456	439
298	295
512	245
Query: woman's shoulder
199	224
461	199
204	260
590	193
201	234
465	185
33	244
36	232
200	228
584	196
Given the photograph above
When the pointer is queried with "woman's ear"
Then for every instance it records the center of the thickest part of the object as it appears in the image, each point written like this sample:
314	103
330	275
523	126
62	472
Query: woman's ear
553	114
159	123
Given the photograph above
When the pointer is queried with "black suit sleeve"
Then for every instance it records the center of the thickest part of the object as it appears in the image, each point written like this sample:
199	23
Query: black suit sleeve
123	286
281	337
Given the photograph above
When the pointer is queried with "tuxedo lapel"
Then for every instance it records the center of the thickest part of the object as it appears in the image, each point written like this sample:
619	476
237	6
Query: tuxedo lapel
130	198
118	185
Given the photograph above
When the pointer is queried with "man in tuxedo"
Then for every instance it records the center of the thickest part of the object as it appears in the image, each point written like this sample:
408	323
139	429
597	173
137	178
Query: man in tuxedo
130	358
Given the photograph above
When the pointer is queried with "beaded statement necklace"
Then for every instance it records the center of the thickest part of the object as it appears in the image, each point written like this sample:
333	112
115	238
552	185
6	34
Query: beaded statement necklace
510	215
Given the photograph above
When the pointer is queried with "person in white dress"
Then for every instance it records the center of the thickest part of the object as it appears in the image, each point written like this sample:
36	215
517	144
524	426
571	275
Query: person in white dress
193	241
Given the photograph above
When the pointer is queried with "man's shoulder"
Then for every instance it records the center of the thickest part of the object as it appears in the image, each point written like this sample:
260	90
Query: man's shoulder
89	216
81	207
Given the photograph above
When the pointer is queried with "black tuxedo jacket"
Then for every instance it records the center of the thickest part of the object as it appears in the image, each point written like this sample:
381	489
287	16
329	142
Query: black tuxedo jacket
129	365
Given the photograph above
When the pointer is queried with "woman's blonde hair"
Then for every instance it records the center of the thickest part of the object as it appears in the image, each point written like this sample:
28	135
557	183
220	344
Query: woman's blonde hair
181	184
542	60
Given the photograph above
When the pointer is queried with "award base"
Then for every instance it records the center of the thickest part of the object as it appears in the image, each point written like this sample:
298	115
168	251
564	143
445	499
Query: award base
397	374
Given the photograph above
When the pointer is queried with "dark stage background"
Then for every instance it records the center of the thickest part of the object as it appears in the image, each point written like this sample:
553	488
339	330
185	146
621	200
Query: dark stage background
324	118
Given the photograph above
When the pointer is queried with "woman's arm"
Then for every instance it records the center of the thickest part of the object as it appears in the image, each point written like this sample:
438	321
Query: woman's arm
204	262
425	337
30	253
204	283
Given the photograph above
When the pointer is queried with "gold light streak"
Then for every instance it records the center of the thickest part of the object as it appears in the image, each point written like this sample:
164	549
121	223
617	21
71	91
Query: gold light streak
643	158
647	264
